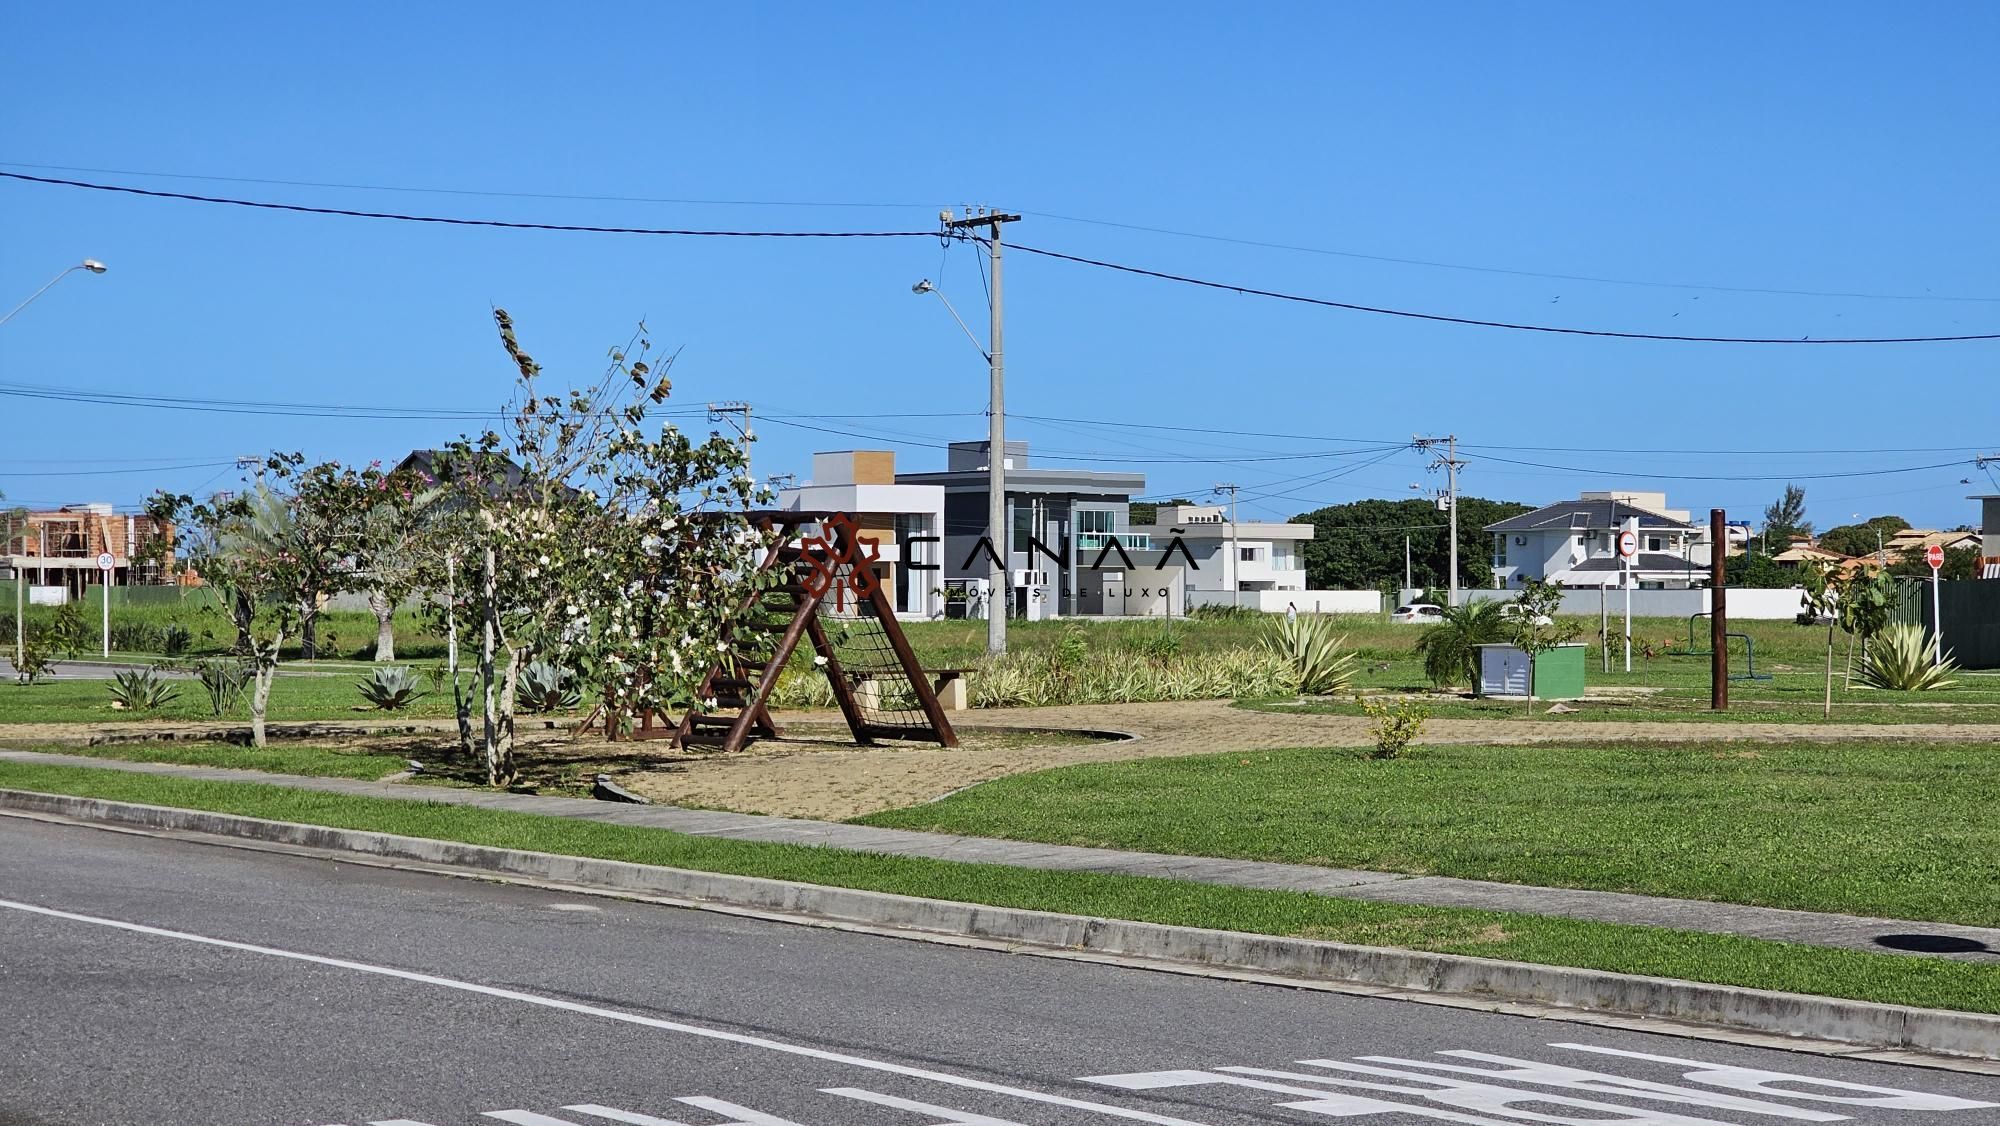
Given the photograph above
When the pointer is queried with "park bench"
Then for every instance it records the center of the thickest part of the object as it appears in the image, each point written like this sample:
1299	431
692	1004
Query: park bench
949	684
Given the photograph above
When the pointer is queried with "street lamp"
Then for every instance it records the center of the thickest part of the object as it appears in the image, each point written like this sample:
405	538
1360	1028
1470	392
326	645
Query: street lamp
1000	593
91	264
20	580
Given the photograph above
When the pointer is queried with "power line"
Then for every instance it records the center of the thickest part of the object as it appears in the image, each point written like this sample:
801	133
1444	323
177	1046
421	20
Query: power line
1172	232
460	191
1475	322
350	213
1736	477
1436	265
106	472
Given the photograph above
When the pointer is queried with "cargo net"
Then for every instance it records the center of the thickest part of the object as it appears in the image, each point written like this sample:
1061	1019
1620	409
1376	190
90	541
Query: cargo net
867	658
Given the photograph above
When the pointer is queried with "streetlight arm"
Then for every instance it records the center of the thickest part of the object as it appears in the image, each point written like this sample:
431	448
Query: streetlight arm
90	264
961	324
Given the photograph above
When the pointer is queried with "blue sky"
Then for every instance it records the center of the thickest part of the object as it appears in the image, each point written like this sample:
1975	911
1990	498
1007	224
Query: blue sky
1709	145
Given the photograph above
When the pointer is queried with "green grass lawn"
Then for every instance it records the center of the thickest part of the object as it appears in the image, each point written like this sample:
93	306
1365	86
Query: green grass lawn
1899	830
1896	979
321	762
292	698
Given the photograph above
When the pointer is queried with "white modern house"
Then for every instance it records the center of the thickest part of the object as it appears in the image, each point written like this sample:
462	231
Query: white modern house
1574	543
1257	564
906	521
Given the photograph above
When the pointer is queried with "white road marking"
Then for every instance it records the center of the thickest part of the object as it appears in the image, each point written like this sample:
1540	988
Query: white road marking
1318	1100
744	1116
1603	1083
614	1015
573	907
527	1118
1759	1081
945	1115
1483	1098
626	1116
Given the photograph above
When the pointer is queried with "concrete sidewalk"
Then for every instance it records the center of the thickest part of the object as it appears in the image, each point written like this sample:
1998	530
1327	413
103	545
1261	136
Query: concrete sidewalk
1979	944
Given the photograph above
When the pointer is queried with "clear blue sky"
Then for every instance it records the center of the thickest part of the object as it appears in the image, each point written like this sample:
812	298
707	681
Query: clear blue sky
1722	145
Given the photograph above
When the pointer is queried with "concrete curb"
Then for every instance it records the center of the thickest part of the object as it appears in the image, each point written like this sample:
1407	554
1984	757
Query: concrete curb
1861	1024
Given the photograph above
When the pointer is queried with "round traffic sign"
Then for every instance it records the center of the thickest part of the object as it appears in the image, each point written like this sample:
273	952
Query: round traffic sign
1628	544
105	562
1934	555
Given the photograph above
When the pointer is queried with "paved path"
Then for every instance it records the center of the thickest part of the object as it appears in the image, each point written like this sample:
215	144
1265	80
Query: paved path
154	982
1980	944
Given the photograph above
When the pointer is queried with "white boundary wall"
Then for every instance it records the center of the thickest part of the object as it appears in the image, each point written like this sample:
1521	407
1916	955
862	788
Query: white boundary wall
1782	604
1308	601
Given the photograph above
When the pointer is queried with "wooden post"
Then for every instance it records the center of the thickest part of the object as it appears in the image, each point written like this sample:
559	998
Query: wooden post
1718	618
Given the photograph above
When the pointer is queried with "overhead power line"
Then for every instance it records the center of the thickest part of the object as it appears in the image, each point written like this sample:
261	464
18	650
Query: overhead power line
350	213
1734	476
1246	290
1425	263
1476	322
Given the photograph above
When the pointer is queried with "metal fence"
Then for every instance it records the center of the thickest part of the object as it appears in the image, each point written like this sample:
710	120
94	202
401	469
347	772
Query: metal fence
1971	611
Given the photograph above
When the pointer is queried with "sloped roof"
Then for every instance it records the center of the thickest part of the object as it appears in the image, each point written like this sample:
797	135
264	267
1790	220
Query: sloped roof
1599	515
1645	561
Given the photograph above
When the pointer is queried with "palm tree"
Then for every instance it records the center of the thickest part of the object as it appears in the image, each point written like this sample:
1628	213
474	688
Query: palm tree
1450	648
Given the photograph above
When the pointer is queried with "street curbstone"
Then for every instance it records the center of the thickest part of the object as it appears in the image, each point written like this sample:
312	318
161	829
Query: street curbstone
1380	971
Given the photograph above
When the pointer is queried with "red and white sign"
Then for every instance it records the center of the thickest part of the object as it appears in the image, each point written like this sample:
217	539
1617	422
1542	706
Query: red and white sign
105	562
1628	543
1934	555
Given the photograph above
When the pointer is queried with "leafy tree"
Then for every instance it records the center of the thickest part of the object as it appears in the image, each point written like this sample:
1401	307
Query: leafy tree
1359	545
1450	648
1867	599
1785	518
1755	571
602	545
1145	512
395	532
1959	563
277	548
1534	628
1863	539
1823	596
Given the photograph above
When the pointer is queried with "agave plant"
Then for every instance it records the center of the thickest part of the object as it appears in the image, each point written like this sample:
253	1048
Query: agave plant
175	639
1900	659
1451	648
223	679
547	687
1315	653
140	690
390	689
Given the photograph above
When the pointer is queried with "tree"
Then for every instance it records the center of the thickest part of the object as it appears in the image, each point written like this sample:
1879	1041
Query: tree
1534	628
1755	571
395	532
1959	563
1143	513
601	545
1866	601
1356	546
1785	518
1451	648
276	549
1823	598
1863	539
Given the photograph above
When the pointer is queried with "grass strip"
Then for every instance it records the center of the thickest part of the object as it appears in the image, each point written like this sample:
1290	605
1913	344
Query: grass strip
1722	959
1896	830
316	762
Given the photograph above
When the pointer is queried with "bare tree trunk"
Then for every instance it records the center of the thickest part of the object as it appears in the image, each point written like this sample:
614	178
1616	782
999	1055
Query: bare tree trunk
242	611
1847	680
509	679
489	610
264	670
385	624
309	627
1827	712
461	703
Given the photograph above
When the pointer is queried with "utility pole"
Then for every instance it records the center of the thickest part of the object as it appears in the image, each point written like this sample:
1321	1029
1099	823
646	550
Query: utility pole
1406	561
1718	612
1235	570
1449	462
1000	596
718	411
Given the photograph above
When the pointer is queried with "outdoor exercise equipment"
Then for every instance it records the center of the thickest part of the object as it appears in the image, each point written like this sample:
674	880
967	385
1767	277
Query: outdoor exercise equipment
1749	651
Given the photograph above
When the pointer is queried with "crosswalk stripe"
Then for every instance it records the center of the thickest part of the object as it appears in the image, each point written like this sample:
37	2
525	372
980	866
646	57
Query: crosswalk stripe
625	1116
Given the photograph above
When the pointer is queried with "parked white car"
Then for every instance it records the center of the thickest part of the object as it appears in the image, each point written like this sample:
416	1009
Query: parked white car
1420	612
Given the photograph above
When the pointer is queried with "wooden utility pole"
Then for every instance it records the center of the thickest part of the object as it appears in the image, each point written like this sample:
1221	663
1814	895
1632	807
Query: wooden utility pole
1718	618
1000	596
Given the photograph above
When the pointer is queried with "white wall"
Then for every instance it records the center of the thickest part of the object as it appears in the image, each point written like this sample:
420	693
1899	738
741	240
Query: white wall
1749	605
1308	601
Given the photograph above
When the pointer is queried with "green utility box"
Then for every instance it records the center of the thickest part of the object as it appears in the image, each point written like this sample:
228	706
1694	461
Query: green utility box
1503	671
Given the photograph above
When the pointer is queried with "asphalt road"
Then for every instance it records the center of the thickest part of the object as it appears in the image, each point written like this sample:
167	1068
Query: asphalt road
159	982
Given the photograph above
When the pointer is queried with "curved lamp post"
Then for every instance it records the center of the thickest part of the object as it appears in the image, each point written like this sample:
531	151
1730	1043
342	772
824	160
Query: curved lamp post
91	264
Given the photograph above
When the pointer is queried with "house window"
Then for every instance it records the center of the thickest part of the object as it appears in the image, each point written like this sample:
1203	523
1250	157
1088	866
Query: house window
1652	543
1247	554
1089	520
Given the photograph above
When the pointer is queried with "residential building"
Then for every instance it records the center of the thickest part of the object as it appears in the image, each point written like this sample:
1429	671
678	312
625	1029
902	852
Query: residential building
1802	550
58	550
1989	535
1915	541
1059	522
906	521
1574	543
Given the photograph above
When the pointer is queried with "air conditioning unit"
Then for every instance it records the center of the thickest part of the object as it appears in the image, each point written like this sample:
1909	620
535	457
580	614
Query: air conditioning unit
1520	541
1590	535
